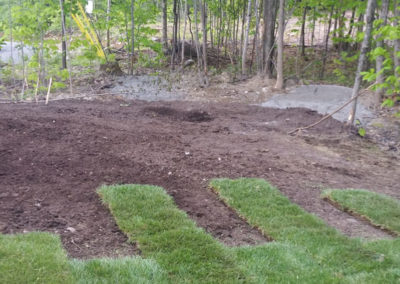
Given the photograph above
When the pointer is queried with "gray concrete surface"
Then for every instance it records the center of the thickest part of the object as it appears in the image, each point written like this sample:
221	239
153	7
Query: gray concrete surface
5	52
321	98
146	87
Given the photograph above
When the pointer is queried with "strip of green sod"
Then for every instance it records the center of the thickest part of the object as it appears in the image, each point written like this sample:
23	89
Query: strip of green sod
38	257
33	258
149	216
347	260
381	210
122	270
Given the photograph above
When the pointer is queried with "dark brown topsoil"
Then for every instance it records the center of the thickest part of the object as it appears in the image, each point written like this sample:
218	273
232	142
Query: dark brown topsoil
52	159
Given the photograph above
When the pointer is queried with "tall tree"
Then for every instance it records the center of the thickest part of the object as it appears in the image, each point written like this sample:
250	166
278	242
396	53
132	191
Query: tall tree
165	24
63	41
397	41
383	15
371	6
204	28
108	24
302	32
246	37
281	30
269	14
132	36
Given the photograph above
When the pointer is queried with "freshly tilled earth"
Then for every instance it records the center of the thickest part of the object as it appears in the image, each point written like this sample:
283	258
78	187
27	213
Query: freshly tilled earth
53	158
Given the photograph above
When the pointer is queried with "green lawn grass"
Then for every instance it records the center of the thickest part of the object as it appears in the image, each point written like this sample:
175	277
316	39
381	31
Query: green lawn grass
380	210
149	216
125	270
175	250
33	258
38	257
346	259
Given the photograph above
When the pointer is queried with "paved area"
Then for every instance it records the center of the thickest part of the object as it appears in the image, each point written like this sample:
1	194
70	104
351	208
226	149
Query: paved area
5	52
321	98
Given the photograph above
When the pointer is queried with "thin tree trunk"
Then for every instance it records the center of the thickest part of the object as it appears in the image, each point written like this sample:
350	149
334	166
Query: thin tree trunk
281	30
313	29
211	29
246	37
256	49
108	24
243	29
342	24
268	36
204	27
302	33
353	14
165	24
325	53
185	12
11	41
397	41
198	51
383	14
63	41
132	35
174	34
361	61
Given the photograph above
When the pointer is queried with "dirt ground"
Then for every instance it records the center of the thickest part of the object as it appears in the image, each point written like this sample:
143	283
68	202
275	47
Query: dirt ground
52	159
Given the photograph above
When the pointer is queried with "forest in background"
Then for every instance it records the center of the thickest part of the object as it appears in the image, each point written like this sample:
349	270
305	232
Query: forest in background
272	38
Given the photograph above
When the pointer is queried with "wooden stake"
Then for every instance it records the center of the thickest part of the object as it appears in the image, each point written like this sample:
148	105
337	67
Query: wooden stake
48	90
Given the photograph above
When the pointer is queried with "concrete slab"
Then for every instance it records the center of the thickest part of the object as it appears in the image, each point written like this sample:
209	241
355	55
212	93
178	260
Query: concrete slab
322	98
5	52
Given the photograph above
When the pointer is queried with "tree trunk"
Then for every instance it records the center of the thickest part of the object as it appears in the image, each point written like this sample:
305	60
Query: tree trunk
353	14
204	27
302	33
246	37
325	53
397	41
185	12
268	36
198	51
383	14
165	24
361	61
132	36
313	28
281	30
11	41
174	34
63	42
108	24
256	49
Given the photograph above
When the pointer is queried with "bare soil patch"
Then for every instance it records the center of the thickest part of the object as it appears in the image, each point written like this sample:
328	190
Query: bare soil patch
52	159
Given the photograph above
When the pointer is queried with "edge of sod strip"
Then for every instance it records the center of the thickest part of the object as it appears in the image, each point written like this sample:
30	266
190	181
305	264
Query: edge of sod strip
265	207
381	211
149	216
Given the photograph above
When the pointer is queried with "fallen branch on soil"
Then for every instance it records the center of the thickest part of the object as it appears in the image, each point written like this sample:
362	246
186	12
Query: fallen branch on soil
332	113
